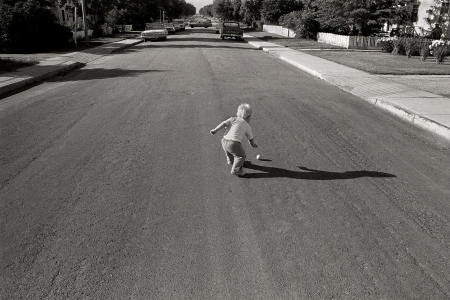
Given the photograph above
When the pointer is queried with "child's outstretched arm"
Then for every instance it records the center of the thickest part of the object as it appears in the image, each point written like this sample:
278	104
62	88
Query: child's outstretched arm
252	143
220	126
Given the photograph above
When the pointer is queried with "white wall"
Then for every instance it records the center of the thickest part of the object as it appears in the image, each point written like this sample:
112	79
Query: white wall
279	30
334	39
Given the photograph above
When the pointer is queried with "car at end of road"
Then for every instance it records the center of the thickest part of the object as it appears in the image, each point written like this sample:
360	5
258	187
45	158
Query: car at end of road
200	23
179	24
231	29
154	31
170	27
216	26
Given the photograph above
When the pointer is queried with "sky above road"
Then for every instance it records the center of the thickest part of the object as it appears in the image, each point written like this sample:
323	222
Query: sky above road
199	3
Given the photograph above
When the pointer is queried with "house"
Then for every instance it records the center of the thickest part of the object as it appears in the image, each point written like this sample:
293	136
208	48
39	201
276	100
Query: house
65	13
425	11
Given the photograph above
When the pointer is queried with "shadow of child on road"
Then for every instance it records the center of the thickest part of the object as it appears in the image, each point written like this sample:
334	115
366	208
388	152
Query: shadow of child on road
309	174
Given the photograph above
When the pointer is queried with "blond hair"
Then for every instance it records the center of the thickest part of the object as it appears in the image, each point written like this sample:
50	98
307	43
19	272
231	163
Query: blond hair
244	111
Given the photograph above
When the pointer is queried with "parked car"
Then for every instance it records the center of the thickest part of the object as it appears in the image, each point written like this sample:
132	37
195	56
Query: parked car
231	29
179	24
170	27
154	31
200	23
215	24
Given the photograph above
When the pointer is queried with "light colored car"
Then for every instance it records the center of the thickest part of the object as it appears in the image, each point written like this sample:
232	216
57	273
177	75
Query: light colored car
154	31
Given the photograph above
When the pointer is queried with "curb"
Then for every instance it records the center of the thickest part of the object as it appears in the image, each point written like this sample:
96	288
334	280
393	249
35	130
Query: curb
138	41
413	118
20	84
396	110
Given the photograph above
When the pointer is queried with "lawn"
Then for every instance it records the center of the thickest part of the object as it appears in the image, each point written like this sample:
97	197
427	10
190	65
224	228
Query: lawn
10	62
384	63
375	62
291	42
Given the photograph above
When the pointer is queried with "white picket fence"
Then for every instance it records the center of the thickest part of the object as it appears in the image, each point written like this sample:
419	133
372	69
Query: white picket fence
333	39
349	42
280	30
344	41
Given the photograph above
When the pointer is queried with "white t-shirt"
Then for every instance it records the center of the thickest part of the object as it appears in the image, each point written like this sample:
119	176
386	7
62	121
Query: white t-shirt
237	129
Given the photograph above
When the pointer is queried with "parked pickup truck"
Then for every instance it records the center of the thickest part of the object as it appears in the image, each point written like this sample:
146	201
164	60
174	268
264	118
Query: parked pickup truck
231	29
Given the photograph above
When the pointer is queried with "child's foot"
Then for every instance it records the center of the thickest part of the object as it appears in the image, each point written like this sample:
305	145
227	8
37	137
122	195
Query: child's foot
238	173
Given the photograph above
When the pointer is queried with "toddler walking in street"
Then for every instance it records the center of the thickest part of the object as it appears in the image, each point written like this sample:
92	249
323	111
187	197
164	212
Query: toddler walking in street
237	129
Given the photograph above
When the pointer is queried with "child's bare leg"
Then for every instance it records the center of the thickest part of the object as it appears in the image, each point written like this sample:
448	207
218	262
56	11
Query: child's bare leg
230	157
238	165
237	155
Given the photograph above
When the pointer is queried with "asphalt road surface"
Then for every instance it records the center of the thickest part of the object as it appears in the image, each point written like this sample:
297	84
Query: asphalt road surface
111	186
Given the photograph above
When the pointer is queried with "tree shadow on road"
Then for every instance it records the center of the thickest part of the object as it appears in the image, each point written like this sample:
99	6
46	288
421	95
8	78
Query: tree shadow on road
182	46
309	174
205	39
101	73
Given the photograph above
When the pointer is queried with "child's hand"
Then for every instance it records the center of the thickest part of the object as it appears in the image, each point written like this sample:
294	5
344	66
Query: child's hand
254	145
212	131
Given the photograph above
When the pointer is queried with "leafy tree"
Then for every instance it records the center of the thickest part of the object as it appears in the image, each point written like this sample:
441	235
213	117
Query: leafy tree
223	9
272	10
29	26
440	17
303	22
207	10
251	11
189	10
139	12
362	17
115	16
237	9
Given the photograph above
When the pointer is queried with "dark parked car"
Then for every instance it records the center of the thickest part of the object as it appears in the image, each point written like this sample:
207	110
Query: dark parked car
231	29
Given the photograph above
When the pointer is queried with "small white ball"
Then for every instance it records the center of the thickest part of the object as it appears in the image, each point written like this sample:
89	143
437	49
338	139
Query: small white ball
258	156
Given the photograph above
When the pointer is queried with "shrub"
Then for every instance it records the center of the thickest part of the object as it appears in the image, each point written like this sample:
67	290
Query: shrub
424	49
440	49
304	24
411	46
398	48
5	20
272	10
309	27
386	44
291	20
30	27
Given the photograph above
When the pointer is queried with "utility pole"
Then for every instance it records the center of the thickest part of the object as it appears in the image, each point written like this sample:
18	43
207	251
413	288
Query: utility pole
447	35
76	28
83	9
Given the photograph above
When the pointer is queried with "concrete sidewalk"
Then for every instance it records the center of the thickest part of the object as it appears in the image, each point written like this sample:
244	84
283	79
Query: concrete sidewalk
424	109
50	67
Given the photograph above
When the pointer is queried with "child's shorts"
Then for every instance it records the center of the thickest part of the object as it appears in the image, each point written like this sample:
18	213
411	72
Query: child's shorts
233	147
